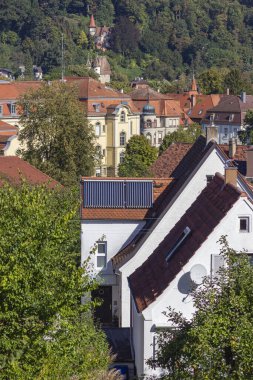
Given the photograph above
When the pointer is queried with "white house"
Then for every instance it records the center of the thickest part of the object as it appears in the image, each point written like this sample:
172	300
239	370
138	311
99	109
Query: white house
188	252
197	167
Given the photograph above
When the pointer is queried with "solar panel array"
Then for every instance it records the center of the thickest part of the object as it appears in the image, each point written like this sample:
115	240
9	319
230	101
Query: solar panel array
117	194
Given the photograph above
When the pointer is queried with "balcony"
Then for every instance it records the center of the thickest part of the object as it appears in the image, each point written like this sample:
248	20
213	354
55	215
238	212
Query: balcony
150	124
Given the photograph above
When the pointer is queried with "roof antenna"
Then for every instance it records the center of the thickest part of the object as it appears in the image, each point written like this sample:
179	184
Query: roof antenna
62	58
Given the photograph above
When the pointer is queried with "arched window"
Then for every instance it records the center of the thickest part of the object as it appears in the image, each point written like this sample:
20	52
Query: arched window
122	117
121	157
97	129
149	123
149	137
122	138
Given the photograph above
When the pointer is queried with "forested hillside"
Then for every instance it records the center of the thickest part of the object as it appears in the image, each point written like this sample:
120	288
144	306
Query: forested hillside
152	38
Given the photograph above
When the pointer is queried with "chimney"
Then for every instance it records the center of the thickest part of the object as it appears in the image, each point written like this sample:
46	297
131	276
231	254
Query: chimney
232	148
231	175
227	91
249	156
243	97
211	133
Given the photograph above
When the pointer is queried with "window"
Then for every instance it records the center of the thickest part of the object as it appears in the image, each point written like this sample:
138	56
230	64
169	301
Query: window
97	129
104	152
244	224
98	152
149	137
155	139
160	137
235	132
1	110
179	241
225	132
231	117
149	123
122	117
121	157
96	107
103	128
217	262
101	254
209	178
122	139
212	116
98	172
13	109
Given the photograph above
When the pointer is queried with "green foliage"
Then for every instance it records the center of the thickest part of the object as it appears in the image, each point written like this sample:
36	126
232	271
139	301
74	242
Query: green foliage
56	136
246	136
82	40
183	134
217	342
139	156
46	333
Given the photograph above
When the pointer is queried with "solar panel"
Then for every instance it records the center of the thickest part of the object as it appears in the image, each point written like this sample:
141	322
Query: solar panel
139	194
104	194
118	194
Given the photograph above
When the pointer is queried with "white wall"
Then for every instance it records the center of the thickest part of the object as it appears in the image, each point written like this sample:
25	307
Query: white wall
212	165
117	234
176	295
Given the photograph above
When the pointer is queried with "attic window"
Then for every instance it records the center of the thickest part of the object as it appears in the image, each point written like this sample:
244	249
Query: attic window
231	117
96	107
178	243
244	224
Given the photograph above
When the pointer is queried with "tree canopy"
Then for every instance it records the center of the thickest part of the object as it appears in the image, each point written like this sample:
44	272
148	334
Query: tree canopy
182	134
246	135
139	155
217	342
55	134
46	333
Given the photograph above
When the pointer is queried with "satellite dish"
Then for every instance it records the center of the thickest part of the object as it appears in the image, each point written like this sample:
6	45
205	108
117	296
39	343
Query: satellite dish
197	273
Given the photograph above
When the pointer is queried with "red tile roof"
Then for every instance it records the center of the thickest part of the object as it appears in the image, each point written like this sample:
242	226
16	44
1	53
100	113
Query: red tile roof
160	185
149	281
13	169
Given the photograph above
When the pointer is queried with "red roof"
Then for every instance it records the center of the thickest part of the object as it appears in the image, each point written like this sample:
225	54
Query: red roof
92	22
160	186
13	169
149	281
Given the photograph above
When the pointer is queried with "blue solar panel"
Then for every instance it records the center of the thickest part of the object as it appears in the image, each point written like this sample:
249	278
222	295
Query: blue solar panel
104	194
139	194
117	194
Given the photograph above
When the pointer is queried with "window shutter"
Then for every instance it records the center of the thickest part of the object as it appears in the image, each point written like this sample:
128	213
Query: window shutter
217	262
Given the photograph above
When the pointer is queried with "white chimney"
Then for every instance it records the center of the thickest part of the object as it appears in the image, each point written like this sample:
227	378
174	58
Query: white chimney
227	91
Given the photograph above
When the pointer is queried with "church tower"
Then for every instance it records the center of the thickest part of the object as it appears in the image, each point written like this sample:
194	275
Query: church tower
92	26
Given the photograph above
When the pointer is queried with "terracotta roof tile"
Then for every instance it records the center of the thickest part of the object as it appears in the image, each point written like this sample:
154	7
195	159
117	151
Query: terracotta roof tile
13	169
155	274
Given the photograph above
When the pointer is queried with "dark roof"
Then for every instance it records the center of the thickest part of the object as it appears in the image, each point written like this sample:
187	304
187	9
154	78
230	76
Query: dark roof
150	280
181	173
14	169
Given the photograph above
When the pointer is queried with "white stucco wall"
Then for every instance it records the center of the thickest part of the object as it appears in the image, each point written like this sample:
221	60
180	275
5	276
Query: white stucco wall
117	234
212	165
176	295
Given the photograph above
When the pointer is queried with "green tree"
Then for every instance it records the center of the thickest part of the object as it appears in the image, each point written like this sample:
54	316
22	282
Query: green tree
182	134
217	342
246	136
56	136
139	156
82	40
211	81
233	80
46	333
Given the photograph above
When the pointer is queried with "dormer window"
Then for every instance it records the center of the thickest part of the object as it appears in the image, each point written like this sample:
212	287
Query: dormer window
244	224
122	117
212	116
96	107
178	243
231	117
